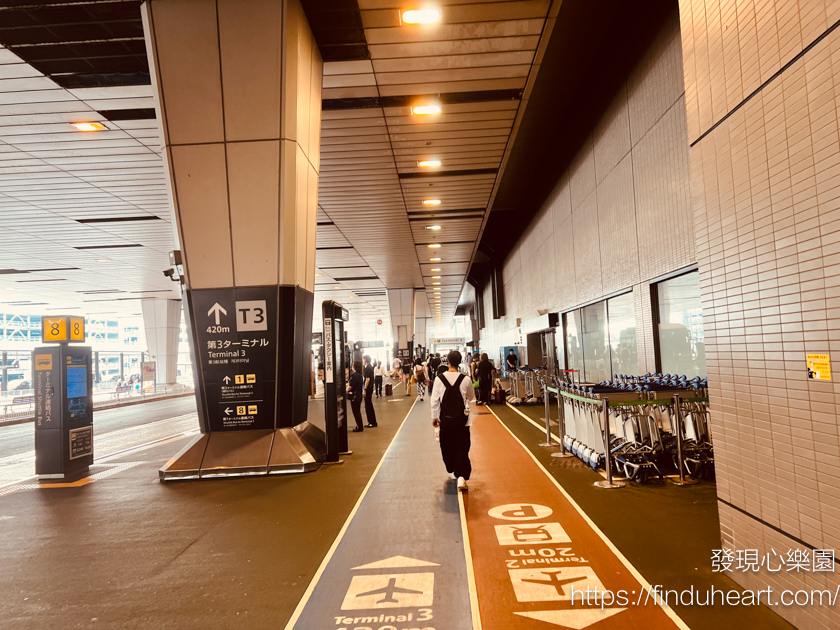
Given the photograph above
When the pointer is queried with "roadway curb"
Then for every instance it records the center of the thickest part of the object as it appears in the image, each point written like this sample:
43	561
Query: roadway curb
8	423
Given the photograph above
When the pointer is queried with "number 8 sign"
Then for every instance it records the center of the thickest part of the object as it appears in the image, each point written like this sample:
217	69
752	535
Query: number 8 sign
63	328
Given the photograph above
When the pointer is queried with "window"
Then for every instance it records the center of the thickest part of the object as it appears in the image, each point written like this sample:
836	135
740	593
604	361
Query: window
574	345
682	349
601	339
596	352
622	326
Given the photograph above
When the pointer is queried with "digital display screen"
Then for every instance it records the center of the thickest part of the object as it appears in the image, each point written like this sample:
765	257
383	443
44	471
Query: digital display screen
76	382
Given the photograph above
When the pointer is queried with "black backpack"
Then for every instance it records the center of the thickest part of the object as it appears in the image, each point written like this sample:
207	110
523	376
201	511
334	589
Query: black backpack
452	404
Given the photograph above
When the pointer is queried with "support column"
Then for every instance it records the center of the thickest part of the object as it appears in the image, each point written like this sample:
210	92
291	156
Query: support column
162	321
239	99
401	308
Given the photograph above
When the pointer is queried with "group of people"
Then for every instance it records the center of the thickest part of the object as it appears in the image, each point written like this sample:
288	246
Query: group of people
451	389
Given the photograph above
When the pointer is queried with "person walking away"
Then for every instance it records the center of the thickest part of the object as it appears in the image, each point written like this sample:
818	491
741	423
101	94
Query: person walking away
395	371
355	386
450	412
420	377
486	373
431	368
406	376
378	375
369	376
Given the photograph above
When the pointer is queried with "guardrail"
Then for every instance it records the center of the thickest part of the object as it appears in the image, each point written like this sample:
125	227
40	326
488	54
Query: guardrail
22	407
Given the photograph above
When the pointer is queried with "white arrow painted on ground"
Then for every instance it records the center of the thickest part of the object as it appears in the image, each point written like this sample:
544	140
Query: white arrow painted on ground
226	379
395	562
216	309
578	619
228	411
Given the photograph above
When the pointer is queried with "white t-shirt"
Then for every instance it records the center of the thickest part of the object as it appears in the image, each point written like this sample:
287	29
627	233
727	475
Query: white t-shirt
467	392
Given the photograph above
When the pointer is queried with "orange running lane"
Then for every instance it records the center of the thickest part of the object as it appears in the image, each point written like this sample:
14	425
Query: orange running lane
533	550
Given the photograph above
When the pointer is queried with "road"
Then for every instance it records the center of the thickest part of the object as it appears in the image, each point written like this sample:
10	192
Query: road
114	430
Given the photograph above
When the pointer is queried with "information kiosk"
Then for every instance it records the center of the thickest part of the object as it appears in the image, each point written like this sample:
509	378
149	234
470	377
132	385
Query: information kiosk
335	380
62	380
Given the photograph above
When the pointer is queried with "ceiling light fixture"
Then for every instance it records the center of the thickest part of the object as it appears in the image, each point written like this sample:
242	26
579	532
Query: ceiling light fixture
434	245
90	126
435	277
436	269
435	282
420	16
103	260
428	163
336	287
425	110
318	275
435	259
431	202
433	227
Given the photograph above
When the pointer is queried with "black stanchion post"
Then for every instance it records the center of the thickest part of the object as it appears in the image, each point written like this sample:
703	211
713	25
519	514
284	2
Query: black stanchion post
547	418
678	428
608	483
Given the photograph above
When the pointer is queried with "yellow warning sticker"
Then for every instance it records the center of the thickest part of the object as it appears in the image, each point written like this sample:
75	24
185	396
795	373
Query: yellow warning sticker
819	367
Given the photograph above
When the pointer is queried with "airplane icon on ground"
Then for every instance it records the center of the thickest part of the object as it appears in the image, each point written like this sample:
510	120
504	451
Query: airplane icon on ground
389	591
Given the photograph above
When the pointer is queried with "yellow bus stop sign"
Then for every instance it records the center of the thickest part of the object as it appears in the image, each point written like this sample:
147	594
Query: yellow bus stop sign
62	329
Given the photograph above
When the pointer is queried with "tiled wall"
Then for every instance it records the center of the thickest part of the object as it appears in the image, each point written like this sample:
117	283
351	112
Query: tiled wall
766	196
619	216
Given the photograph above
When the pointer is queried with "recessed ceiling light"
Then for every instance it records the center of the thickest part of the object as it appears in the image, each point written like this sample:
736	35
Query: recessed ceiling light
433	227
336	287
103	260
425	110
421	16
435	282
436	269
318	275
428	163
90	126
435	259
434	245
431	202
435	277
350	297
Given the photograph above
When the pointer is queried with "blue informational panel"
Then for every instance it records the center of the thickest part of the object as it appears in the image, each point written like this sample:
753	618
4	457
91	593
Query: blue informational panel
76	382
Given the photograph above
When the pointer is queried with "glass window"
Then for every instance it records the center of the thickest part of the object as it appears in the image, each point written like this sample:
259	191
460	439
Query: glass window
682	349
596	350
574	345
622	327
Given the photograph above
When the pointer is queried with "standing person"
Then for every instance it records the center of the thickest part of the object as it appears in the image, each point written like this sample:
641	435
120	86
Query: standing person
420	377
450	411
355	387
378	375
432	366
486	374
368	394
511	361
406	376
395	373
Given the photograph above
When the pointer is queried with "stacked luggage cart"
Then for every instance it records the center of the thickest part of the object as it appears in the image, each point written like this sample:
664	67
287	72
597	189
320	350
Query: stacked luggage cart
649	425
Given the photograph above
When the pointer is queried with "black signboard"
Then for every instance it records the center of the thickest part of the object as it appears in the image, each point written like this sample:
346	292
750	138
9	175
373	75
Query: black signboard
335	383
81	442
236	336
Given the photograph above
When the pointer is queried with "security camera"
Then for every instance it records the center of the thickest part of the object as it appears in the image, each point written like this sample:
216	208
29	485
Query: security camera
170	273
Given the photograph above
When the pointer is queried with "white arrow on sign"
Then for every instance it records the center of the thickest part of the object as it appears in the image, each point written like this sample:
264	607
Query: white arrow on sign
216	309
226	379
228	411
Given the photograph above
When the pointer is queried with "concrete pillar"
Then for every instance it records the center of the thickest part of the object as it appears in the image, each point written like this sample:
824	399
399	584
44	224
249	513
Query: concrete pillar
162	321
401	308
238	91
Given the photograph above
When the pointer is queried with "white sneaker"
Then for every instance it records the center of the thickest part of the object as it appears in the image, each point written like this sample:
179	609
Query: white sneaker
462	484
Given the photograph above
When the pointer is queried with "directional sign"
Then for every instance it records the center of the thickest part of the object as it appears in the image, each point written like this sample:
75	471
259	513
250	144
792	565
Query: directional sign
531	534
577	618
550	585
236	332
